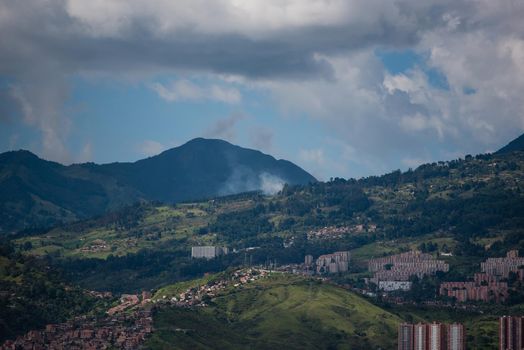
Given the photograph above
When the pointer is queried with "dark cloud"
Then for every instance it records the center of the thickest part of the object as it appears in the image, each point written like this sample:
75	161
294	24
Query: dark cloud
46	31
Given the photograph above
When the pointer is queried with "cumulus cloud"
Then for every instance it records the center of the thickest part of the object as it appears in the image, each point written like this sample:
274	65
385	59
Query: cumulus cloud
315	58
185	90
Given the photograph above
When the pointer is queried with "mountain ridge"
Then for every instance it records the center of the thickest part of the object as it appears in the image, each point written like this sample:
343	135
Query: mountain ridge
516	144
37	192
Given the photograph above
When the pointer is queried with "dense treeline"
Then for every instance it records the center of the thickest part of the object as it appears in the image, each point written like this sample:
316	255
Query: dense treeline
242	224
474	199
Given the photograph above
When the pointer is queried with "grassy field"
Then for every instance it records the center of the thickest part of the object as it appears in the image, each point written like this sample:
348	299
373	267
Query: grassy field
279	311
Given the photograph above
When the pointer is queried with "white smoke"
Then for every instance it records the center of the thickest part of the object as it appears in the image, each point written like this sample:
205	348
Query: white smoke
270	184
244	179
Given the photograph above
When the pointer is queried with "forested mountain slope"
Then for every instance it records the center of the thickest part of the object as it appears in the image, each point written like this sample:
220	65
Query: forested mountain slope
38	193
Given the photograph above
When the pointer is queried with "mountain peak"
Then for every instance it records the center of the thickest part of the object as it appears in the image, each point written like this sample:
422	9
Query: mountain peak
515	145
203	168
22	153
199	169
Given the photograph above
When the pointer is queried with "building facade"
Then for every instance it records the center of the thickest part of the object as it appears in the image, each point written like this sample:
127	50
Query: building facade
456	339
503	266
436	336
431	336
308	260
420	337
208	252
401	267
405	336
484	288
390	286
487	286
333	263
511	333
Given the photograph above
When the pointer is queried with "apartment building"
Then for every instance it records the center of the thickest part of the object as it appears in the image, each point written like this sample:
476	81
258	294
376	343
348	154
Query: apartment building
431	336
503	266
456	338
333	263
511	333
401	267
405	336
208	252
484	288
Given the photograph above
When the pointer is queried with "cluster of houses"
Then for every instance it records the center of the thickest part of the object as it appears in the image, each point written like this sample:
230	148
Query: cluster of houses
394	272
129	300
126	325
334	232
98	245
197	296
487	286
122	331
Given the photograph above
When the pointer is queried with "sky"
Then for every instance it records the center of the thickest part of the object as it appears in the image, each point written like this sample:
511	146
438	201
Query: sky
343	88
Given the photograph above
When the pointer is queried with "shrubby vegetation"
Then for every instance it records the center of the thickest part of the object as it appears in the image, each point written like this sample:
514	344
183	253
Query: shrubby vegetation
32	294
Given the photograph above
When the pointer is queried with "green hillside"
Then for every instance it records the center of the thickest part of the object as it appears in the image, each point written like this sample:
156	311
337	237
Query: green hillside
472	207
33	295
299	313
280	311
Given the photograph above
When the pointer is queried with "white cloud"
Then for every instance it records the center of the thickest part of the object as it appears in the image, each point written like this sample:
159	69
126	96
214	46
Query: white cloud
314	156
254	17
151	148
185	90
419	122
